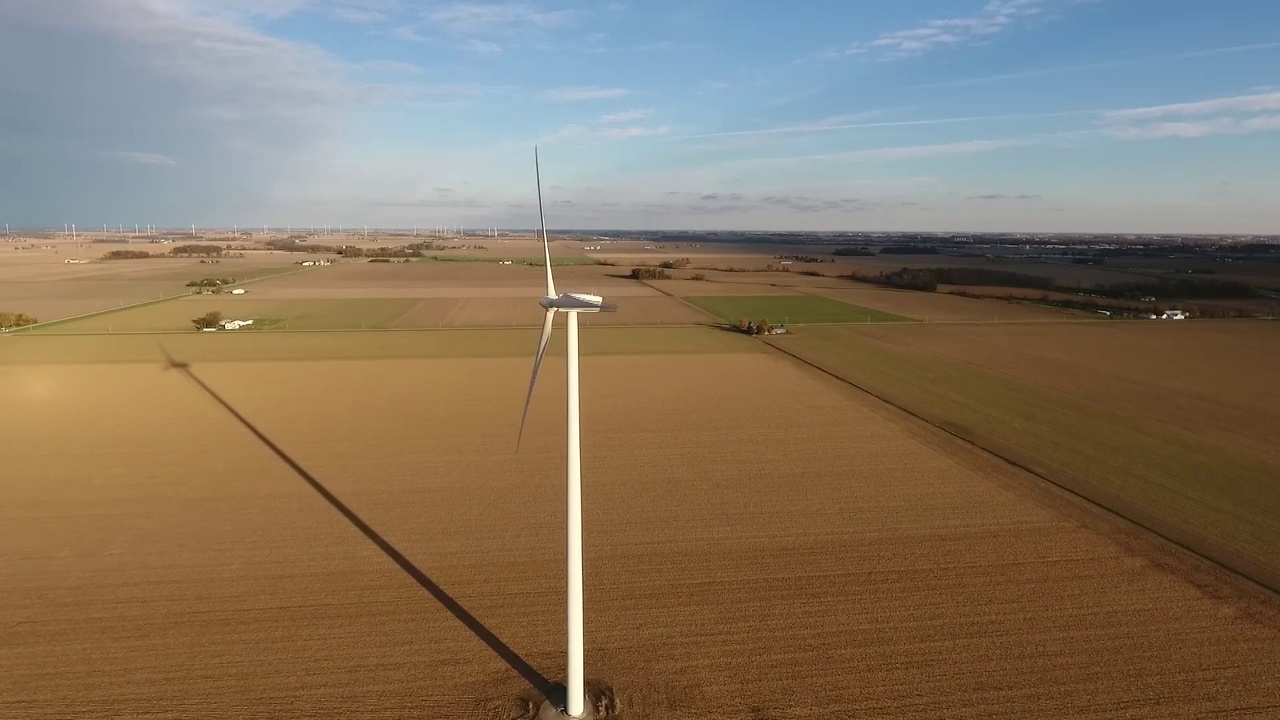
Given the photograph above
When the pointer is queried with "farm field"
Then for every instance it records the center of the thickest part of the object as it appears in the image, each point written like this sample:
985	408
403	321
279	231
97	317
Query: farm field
797	309
899	575
522	312
35	349
393	310
1172	426
47	288
1064	273
939	307
176	315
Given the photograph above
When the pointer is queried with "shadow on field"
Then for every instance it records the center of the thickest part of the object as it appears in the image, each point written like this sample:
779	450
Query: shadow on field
549	691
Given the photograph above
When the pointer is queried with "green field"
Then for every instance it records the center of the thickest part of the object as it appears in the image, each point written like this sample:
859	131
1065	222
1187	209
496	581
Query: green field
28	349
494	259
176	315
1221	499
793	309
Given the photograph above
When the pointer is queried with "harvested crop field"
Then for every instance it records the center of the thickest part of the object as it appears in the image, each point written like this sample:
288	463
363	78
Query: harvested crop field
51	290
938	307
898	575
798	309
1171	425
429	276
525	312
176	315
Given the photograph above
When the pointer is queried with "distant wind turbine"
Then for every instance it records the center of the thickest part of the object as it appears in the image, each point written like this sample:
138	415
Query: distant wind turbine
571	304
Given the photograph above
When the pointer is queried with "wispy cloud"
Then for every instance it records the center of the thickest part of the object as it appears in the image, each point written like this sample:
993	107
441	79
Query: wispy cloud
830	124
581	132
995	17
1238	115
1005	197
622	133
916	152
1064	69
1200	129
574	94
1262	102
626	116
481	47
468	18
143	158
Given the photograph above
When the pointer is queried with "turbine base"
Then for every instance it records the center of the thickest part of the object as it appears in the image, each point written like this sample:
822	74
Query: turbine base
551	711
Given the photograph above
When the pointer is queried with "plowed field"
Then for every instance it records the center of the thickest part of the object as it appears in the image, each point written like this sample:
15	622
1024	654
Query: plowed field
1171	424
761	542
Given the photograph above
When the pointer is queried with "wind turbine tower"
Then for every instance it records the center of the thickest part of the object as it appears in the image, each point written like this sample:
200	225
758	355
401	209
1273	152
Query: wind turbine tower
571	304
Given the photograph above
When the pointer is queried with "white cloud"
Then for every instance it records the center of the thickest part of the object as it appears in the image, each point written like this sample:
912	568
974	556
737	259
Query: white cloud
1062	69
1264	102
1197	129
842	123
996	17
481	47
572	94
242	109
578	131
623	133
626	116
144	158
465	18
916	152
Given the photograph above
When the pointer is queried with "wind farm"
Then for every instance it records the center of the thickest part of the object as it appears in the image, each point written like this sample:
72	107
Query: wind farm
366	502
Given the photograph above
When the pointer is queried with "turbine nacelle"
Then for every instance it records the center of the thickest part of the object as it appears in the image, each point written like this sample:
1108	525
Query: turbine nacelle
576	302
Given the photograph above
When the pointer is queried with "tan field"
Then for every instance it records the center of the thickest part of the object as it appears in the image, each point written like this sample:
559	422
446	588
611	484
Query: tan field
519	312
938	307
39	283
1170	424
170	563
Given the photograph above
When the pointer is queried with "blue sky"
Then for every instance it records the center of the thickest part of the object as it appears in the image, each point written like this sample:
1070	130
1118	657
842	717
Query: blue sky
1029	115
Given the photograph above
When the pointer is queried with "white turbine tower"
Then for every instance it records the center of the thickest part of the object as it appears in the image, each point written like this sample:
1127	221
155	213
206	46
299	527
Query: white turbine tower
570	304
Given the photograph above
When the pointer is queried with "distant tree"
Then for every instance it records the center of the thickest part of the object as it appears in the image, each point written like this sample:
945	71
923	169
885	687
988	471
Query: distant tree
208	320
9	320
197	251
128	255
211	282
853	252
649	274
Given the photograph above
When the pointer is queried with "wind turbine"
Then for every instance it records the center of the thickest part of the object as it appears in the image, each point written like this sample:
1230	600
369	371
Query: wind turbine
570	304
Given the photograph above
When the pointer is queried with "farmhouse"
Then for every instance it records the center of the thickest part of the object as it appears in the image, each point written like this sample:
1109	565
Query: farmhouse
1174	315
235	324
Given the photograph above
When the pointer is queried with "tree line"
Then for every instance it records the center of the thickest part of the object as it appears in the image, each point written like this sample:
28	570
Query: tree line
10	320
929	278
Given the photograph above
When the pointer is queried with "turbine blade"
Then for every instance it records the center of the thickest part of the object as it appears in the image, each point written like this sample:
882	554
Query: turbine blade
542	218
537	363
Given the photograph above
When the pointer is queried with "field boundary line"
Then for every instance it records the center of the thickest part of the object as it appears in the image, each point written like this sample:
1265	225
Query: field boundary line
680	300
1274	593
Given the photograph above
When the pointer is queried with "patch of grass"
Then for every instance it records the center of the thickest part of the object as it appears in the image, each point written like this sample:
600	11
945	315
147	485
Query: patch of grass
794	309
563	261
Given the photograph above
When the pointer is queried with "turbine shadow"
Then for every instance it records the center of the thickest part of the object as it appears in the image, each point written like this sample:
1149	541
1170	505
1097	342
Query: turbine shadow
548	690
